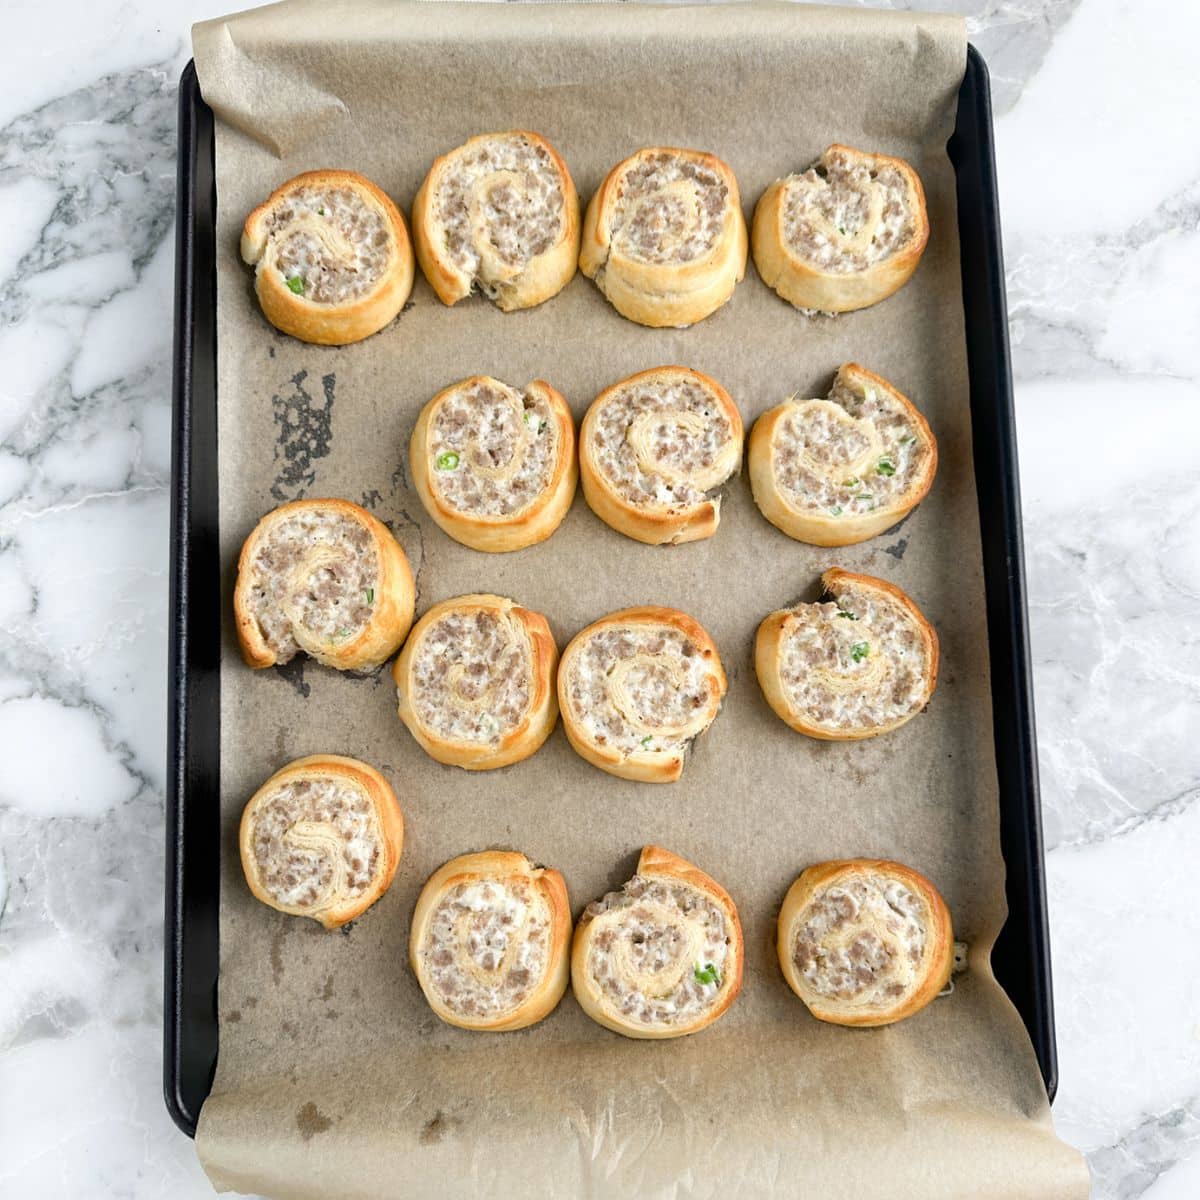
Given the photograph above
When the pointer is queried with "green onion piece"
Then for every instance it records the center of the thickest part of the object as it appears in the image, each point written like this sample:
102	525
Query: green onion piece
860	650
836	511
707	974
321	211
848	615
370	594
296	285
447	461
647	740
905	440
339	633
841	231
885	466
853	481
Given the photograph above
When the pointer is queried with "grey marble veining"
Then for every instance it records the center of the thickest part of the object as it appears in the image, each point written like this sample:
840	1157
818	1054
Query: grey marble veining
1100	182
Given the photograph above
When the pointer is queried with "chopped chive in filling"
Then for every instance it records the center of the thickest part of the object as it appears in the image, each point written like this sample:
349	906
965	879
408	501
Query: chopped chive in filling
447	461
860	650
296	285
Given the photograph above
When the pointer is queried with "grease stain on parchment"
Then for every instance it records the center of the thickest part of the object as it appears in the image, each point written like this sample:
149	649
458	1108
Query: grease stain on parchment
305	434
436	1128
310	1120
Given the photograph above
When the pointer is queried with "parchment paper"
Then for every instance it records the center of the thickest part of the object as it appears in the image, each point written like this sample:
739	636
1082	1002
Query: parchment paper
335	1079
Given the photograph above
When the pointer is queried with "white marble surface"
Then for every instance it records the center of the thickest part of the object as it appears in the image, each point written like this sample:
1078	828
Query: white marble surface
1100	179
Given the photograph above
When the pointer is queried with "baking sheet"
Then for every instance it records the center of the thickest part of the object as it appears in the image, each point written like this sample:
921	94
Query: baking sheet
334	1077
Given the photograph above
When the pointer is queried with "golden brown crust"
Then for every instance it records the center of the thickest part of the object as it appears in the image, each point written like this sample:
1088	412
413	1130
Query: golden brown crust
663	294
652	523
543	276
807	286
391	611
498	865
936	962
658	863
320	767
769	648
329	324
498	534
820	528
538	722
641	766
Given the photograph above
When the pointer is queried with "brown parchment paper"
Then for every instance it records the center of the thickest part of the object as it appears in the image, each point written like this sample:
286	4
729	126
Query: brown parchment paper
335	1079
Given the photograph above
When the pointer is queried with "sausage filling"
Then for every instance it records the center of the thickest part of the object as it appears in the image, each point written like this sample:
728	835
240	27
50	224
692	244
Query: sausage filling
330	245
504	197
861	941
473	676
316	842
487	947
857	452
663	442
315	570
844	214
658	951
642	689
857	662
670	209
492	451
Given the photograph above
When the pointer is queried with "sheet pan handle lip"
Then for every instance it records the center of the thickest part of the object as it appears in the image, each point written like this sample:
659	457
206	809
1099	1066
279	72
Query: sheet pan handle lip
190	949
1021	956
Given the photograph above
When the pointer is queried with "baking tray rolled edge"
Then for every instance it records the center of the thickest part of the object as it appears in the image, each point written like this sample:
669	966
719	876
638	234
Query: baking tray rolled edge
1021	957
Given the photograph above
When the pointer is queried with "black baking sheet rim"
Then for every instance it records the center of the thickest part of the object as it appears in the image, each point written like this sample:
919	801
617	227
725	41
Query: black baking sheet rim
1021	958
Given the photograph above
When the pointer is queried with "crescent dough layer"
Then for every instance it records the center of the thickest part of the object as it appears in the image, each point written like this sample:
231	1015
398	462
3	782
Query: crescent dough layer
854	666
662	957
475	682
325	577
499	213
837	471
495	467
489	941
664	237
333	263
322	839
653	449
636	688
844	234
864	942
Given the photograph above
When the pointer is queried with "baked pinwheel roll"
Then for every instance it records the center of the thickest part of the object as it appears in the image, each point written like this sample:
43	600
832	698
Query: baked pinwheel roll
844	234
489	941
495	467
653	450
637	688
864	942
841	470
322	839
664	237
859	663
475	683
499	213
325	577
333	263
662	957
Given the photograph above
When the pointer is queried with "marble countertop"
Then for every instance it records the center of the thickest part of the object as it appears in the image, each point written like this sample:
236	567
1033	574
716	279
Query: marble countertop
1100	180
